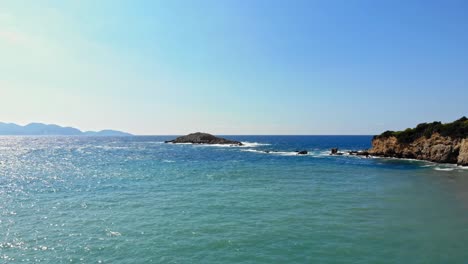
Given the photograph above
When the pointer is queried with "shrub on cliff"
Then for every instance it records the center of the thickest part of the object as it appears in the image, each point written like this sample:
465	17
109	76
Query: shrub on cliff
456	129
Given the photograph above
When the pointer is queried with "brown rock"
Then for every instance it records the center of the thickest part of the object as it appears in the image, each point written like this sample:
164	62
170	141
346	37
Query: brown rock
463	153
436	148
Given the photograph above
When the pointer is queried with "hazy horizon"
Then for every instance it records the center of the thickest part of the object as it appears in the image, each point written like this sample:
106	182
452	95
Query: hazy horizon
174	134
234	67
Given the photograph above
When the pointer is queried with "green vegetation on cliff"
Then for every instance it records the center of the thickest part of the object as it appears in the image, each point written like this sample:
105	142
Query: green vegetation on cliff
456	129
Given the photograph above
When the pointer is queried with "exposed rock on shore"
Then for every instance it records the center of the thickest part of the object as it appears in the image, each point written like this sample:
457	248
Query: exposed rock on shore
298	152
463	154
334	151
359	153
204	138
437	142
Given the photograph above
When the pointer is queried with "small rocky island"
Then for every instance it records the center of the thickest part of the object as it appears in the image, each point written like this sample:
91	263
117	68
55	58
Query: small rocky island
436	142
204	138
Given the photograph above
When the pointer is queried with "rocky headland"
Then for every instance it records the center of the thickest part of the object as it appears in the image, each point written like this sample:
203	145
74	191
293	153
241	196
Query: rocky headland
204	138
436	142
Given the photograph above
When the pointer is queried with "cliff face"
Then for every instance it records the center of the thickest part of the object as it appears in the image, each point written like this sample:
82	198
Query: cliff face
463	155
436	148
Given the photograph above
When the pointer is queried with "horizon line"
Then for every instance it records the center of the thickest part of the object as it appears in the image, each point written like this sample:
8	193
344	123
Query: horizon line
163	135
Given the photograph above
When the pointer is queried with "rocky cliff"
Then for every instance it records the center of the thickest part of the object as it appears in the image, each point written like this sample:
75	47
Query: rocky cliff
437	142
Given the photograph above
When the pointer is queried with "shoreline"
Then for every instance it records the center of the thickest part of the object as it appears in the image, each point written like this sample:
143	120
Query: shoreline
424	161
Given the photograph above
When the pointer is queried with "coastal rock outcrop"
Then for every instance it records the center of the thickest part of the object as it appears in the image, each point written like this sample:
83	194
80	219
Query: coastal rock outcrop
436	142
204	138
334	151
358	153
463	154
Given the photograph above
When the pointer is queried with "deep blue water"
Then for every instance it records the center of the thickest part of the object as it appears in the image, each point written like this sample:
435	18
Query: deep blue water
138	200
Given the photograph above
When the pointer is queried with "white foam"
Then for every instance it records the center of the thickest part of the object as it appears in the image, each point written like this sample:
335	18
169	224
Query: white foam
110	147
280	153
343	152
253	150
215	145
428	165
324	153
113	233
253	144
286	153
244	145
443	169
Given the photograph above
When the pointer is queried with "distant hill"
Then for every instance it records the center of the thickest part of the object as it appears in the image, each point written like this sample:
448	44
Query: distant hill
107	132
34	129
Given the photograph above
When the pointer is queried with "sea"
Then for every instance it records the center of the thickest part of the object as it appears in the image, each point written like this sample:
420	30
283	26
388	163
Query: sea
138	200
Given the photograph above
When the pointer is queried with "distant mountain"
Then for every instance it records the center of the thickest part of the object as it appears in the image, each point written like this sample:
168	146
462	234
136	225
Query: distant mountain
107	132
34	129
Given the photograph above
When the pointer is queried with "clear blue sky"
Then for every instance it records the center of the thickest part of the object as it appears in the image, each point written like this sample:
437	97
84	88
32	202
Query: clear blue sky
234	67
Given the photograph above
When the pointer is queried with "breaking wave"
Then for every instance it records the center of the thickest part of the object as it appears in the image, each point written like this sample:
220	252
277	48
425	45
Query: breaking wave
443	169
280	153
244	145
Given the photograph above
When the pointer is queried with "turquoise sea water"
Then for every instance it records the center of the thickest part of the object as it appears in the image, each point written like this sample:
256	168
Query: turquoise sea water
137	200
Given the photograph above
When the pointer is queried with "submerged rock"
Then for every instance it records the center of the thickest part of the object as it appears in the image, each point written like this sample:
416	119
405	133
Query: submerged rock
204	138
302	152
